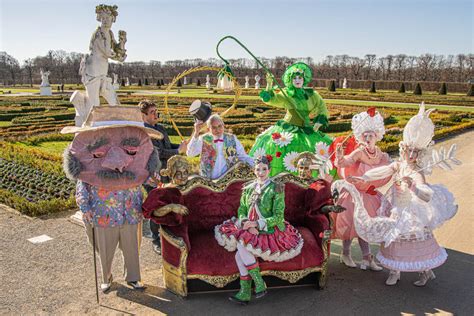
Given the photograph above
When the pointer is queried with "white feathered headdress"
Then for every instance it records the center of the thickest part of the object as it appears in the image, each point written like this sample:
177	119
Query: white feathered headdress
419	131
364	122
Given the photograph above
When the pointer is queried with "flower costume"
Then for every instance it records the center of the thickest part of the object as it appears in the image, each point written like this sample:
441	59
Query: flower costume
294	134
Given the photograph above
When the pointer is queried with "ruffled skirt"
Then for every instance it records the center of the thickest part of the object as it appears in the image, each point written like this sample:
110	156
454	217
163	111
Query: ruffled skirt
277	246
412	255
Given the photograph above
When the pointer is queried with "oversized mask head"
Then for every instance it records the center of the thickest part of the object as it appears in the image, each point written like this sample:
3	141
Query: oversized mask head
114	158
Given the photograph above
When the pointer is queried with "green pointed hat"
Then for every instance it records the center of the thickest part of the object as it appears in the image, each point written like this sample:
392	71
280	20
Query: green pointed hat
297	69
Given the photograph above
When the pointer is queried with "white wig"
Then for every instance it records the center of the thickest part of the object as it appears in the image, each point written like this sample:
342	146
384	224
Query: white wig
212	118
363	122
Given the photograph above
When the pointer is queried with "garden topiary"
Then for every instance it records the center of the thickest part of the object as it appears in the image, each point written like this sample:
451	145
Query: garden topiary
140	82
417	89
146	81
402	88
198	83
372	87
332	86
179	84
443	89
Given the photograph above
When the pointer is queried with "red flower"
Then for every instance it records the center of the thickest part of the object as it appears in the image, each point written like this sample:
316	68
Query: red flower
276	135
269	158
278	154
371	111
371	190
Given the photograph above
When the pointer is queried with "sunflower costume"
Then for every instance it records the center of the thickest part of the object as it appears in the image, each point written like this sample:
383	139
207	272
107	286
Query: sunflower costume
295	133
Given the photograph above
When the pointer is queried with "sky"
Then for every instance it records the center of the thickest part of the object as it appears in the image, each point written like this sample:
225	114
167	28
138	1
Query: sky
180	29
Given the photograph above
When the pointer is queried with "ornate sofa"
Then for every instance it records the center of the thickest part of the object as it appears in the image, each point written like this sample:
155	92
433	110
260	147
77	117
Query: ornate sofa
190	251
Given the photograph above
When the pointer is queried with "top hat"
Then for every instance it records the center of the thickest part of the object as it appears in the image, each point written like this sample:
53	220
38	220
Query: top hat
102	117
201	110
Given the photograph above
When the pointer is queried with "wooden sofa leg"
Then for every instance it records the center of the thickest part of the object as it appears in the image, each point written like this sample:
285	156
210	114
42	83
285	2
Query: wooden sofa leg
174	280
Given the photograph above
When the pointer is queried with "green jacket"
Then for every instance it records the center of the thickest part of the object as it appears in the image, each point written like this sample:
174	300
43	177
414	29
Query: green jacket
298	113
271	206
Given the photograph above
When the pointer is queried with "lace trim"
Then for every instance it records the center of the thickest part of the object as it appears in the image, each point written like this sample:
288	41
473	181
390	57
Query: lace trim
415	266
230	244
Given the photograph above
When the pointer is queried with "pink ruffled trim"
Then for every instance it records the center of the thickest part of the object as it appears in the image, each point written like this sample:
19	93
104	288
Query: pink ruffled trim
413	266
279	246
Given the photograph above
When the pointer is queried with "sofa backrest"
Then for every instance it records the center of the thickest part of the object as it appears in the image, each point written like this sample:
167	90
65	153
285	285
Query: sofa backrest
209	207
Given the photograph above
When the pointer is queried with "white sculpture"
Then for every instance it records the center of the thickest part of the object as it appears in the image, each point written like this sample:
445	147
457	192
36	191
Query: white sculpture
344	84
257	82
185	81
127	82
246	82
94	66
45	87
44	78
116	85
208	82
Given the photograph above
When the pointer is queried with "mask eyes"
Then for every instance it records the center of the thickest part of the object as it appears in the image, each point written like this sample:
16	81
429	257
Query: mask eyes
98	153
132	151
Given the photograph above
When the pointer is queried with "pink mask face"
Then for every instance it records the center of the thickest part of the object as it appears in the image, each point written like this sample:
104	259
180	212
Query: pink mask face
113	158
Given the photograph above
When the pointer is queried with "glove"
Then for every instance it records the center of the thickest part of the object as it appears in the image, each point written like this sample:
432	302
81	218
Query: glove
266	95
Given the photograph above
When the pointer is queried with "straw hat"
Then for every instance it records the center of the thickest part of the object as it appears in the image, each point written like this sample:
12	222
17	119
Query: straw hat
102	117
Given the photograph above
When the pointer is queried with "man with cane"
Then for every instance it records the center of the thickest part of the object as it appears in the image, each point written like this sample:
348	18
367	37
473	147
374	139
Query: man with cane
111	156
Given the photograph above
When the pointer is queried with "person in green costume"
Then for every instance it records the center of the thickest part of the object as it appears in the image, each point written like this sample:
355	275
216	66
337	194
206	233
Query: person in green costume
296	133
260	231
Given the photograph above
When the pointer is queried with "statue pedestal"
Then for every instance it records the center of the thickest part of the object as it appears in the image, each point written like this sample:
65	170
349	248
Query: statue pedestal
46	91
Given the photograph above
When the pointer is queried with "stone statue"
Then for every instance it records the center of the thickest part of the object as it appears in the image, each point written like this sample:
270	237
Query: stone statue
185	81
208	82
45	87
127	82
44	78
257	82
246	82
94	66
344	84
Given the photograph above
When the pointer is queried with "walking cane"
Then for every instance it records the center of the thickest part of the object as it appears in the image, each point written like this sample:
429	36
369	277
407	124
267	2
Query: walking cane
95	265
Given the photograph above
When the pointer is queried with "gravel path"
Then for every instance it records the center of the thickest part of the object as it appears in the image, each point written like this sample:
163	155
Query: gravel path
56	277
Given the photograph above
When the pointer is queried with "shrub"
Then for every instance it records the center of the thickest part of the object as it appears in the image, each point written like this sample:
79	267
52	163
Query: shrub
417	89
146	82
198	83
332	86
443	89
372	87
179	84
140	82
402	88
123	82
470	93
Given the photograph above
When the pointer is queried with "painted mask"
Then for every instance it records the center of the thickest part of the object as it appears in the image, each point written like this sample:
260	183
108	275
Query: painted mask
113	158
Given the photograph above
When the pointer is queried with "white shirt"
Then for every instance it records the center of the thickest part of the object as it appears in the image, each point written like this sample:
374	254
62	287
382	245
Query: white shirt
220	166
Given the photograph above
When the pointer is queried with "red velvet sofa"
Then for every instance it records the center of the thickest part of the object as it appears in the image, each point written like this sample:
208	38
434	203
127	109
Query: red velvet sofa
190	251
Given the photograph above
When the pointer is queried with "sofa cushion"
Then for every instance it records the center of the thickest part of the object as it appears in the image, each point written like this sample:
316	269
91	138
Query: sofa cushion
207	257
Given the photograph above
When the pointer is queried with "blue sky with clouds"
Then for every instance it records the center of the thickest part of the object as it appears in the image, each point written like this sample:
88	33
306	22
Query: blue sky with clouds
166	29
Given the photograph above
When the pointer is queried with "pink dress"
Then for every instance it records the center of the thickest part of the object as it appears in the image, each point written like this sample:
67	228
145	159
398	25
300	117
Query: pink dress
343	227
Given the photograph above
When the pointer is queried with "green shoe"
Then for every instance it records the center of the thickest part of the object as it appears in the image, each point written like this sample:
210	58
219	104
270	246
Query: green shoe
245	292
260	286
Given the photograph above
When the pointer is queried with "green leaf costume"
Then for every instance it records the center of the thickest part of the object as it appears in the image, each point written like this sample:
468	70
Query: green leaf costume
294	134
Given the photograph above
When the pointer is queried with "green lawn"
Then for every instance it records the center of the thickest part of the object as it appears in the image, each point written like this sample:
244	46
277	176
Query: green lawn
5	123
